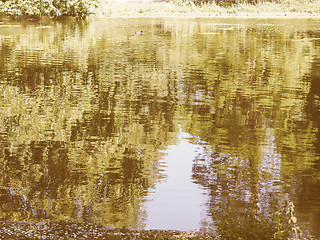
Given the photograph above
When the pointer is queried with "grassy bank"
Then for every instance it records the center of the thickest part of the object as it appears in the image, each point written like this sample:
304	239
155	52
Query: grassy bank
34	9
184	8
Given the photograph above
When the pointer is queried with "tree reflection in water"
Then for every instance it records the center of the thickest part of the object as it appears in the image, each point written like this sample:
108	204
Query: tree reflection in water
87	110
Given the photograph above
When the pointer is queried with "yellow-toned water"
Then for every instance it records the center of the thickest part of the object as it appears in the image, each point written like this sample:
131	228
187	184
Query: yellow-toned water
154	130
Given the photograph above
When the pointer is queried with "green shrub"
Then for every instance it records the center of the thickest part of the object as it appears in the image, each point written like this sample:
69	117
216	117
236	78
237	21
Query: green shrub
50	8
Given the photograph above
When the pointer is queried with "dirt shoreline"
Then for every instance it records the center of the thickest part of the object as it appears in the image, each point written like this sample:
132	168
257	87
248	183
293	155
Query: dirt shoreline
80	230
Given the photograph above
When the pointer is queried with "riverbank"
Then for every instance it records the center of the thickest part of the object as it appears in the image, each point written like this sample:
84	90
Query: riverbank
73	230
152	8
182	9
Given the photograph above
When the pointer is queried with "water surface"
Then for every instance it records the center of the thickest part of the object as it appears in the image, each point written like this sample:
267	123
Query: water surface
102	125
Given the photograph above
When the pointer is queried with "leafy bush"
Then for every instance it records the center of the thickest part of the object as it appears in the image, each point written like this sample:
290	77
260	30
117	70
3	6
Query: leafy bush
50	8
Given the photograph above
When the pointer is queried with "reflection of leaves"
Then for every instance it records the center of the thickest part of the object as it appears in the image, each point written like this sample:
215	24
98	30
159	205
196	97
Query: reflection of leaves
101	103
249	223
90	139
248	103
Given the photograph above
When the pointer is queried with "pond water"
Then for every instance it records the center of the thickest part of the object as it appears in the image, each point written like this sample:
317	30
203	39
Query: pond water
155	130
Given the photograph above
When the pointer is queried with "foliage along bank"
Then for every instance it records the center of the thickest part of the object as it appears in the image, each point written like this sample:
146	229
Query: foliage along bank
50	8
